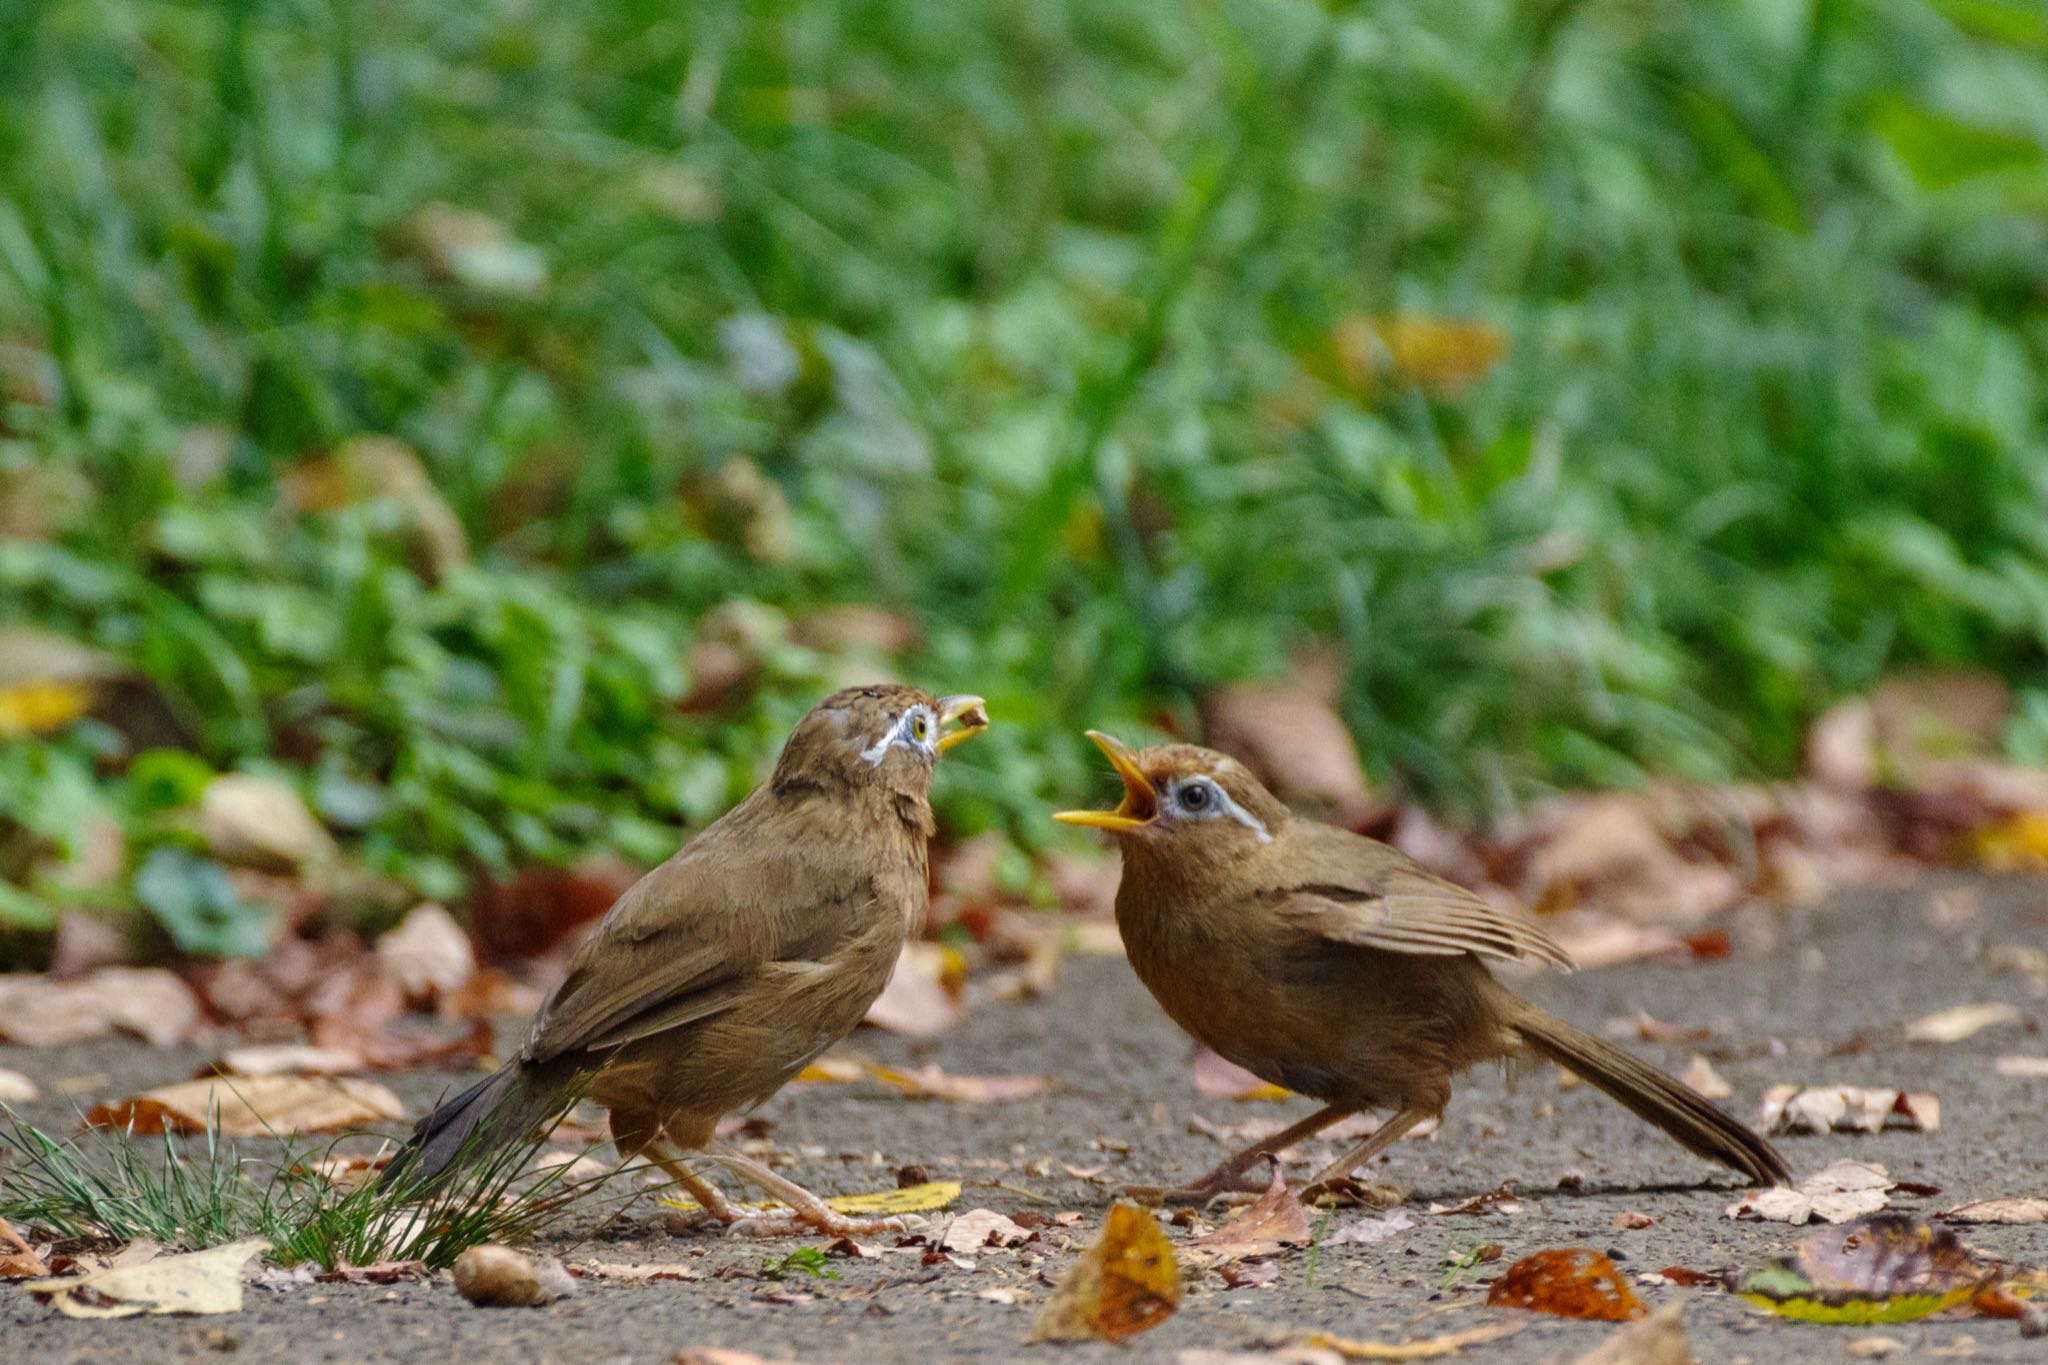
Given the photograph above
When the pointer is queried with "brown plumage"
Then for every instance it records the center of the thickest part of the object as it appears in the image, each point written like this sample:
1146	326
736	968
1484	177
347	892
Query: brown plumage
720	974
1338	967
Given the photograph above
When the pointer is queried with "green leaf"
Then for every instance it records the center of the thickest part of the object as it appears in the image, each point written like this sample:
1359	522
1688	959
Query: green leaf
198	906
1941	150
20	910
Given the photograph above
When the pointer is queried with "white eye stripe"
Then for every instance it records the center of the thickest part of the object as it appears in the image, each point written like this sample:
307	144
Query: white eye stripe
1219	804
901	732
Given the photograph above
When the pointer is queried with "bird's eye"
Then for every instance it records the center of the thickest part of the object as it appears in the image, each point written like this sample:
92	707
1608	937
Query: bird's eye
920	726
1195	796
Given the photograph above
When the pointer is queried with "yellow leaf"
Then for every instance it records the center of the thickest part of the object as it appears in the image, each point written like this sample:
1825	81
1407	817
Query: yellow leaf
1126	1282
39	707
936	1194
2015	845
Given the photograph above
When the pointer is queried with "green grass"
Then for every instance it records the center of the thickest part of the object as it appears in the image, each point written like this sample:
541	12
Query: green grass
1047	327
105	1186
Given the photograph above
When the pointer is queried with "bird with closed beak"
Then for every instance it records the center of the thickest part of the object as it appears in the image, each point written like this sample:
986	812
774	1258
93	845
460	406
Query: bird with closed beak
1338	967
723	972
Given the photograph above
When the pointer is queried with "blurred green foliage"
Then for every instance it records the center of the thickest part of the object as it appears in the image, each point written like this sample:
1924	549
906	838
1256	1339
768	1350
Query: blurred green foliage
1060	330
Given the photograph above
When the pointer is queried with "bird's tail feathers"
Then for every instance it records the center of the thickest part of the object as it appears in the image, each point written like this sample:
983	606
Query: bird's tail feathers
484	1120
1688	1116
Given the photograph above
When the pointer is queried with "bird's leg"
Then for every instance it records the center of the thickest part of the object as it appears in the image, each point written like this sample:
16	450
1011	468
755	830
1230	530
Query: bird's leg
809	1214
1382	1138
715	1204
1228	1177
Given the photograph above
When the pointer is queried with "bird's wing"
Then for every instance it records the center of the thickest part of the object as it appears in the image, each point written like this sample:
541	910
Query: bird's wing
1365	893
684	942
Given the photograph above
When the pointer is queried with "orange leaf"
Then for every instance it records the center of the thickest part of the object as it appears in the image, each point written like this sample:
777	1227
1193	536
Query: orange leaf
1127	1282
1570	1282
1276	1220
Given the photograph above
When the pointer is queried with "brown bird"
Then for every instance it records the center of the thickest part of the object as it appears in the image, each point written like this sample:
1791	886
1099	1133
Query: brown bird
1337	967
720	974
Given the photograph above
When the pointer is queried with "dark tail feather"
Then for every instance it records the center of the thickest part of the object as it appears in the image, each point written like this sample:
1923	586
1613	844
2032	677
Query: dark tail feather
1649	1094
496	1112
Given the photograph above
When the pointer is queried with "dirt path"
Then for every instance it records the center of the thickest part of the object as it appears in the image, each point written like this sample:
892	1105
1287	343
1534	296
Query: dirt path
1821	1005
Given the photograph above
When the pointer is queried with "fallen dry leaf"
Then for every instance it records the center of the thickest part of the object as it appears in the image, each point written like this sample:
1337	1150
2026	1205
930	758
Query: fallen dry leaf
149	1002
1699	1073
1653	1030
1888	1268
1125	1283
255	1106
928	1082
16	1088
427	954
1222	1079
1569	1282
261	824
1428	1348
1838	1193
1276	1220
2026	1068
198	1282
500	1277
1365	1231
1596	939
1293	740
288	1059
916	1001
2020	1210
922	1198
637	1274
980	1229
1845	1108
1658	1339
1958	1022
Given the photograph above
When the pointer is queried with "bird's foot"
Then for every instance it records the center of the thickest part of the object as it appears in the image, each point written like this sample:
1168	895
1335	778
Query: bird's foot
1350	1192
779	1223
1231	1187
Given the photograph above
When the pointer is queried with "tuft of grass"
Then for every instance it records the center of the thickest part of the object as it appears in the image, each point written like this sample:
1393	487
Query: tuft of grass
106	1186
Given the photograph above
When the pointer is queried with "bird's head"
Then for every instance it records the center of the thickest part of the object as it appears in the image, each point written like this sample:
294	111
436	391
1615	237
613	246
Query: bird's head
883	735
1184	804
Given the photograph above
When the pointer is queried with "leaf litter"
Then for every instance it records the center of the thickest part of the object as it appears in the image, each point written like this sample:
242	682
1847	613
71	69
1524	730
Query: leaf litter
1838	1193
1881	1269
195	1282
1276	1221
1846	1108
1126	1282
1568	1282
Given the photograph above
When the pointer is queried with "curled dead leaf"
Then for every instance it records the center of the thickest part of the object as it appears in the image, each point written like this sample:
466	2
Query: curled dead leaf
916	1001
1427	1348
1125	1283
149	1002
260	823
980	1229
1569	1282
1846	1108
428	954
255	1106
197	1282
1958	1022
2021	1210
1838	1193
1699	1073
1276	1220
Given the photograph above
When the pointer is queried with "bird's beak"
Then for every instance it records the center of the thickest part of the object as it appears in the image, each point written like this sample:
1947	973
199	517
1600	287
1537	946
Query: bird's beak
1140	805
970	712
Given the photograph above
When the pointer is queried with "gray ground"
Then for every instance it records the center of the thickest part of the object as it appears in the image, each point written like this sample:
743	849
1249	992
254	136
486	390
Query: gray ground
1806	997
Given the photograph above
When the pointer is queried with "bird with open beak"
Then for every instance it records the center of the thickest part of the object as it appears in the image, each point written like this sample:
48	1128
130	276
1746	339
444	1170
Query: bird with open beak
1339	968
722	973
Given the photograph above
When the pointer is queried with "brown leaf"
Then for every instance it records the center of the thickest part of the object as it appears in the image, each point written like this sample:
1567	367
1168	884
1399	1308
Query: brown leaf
1845	1108
148	1002
18	1260
1428	1348
1125	1283
1570	1282
1958	1022
255	1106
16	1088
535	911
928	1082
2021	1210
1609	851
1276	1220
1658	1339
979	1229
427	954
261	824
1699	1073
1222	1079
916	1002
1836	1194
1293	740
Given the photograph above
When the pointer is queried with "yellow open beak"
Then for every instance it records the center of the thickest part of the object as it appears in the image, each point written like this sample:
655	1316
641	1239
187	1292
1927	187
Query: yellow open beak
1140	804
970	712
